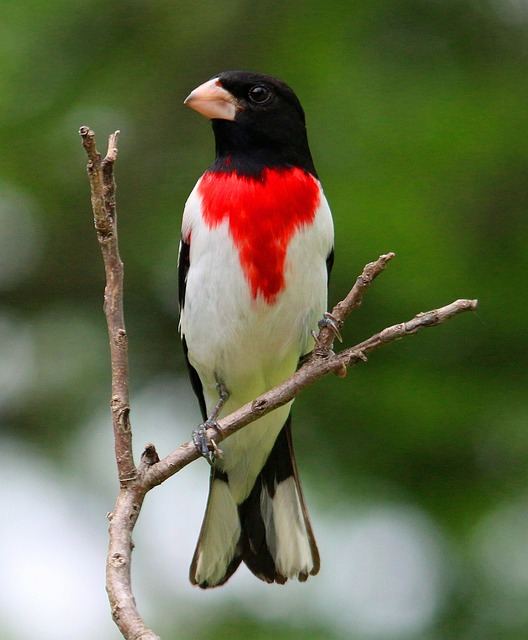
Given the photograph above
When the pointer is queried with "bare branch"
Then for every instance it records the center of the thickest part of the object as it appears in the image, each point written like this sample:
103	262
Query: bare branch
122	521
102	184
136	482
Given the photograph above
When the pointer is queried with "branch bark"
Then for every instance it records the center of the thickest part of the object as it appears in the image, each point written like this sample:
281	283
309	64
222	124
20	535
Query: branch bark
135	482
102	187
122	521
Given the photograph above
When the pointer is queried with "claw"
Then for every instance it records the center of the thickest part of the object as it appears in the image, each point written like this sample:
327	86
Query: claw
217	453
201	443
209	449
328	320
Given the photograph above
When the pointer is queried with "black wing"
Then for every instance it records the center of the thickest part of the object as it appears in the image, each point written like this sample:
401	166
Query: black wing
183	268
330	263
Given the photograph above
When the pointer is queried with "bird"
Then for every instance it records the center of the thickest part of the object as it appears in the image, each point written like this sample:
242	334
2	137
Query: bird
255	256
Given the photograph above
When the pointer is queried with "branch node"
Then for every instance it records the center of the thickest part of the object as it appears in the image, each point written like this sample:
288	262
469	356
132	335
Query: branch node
123	419
150	456
104	233
259	405
362	280
341	371
121	338
117	560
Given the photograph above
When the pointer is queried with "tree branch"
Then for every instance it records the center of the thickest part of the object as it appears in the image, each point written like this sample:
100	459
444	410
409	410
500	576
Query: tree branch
136	482
316	368
122	521
102	186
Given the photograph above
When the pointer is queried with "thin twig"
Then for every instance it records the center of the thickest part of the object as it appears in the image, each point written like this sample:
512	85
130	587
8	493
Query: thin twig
136	482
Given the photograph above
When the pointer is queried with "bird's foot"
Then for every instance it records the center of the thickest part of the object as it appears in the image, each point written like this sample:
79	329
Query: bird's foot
323	349
207	448
328	320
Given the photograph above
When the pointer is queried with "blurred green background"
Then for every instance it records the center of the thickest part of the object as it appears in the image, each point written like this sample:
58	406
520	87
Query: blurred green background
415	465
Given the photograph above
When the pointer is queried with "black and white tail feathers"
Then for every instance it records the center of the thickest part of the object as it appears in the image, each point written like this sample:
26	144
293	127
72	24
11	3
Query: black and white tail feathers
270	531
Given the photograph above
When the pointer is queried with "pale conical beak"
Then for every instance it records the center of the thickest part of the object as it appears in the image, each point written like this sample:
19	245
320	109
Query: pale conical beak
212	101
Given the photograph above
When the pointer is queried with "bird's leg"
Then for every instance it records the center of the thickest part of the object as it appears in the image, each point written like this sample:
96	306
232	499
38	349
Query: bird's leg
199	434
223	396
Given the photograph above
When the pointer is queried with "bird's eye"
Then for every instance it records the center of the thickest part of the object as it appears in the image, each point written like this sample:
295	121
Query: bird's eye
259	94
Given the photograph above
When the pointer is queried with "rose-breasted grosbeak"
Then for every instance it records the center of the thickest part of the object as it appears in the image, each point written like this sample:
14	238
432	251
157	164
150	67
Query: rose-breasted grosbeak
255	255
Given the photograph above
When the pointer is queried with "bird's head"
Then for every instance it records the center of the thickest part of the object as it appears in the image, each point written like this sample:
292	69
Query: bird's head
256	116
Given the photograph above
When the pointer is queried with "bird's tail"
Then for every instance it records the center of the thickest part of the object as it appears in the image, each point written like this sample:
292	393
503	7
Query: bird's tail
270	531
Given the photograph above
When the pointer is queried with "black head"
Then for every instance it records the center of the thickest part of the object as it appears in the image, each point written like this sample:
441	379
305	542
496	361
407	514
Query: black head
257	120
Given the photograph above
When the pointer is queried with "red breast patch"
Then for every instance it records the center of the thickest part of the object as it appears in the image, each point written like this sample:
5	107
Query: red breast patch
263	215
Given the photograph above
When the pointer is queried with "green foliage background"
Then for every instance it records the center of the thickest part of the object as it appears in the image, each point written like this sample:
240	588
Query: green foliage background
417	116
